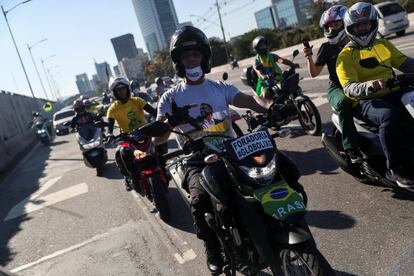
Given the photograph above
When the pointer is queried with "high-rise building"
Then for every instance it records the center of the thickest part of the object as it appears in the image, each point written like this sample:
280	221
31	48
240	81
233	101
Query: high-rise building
124	46
103	71
292	13
83	84
132	68
117	73
158	22
265	18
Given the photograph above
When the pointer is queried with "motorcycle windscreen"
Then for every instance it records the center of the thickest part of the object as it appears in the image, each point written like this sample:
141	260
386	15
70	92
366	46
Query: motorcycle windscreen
87	131
279	200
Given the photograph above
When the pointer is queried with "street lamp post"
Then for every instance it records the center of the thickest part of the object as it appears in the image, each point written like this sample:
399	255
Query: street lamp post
47	77
34	63
15	45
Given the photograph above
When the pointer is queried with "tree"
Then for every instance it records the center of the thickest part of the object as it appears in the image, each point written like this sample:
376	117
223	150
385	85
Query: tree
218	52
160	66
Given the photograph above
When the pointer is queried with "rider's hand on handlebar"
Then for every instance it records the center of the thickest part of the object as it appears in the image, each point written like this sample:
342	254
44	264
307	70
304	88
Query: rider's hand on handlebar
376	85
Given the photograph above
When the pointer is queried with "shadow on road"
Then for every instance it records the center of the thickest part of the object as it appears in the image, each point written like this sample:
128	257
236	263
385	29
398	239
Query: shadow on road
329	219
180	212
11	194
57	143
342	273
313	161
111	171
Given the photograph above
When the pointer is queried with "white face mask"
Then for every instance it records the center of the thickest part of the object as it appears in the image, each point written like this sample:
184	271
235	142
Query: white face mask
194	74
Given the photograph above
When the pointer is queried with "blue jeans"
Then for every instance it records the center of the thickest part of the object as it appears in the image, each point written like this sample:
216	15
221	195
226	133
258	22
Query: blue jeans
385	113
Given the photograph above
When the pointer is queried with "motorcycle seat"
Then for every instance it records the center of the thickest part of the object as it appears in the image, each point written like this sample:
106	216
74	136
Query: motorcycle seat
359	120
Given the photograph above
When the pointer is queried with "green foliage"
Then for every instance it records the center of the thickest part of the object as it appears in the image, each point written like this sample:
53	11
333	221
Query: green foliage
408	5
160	66
218	52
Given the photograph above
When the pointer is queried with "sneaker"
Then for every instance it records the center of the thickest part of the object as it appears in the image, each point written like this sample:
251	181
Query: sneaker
214	259
354	155
127	184
402	181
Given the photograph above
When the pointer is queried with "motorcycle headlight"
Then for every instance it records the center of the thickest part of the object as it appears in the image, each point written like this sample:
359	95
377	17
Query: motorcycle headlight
39	131
261	175
91	145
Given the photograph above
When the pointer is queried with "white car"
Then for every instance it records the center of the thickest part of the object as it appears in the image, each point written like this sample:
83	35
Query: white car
392	18
61	117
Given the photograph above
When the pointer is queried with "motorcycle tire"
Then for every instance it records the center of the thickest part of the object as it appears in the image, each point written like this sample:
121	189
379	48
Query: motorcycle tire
237	129
159	197
304	259
306	116
99	170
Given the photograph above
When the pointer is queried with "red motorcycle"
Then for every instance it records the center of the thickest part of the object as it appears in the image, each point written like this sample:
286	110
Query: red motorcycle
153	181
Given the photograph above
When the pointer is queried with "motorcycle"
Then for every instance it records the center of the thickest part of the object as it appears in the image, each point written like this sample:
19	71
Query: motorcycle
289	93
257	216
234	64
152	182
43	132
373	167
90	139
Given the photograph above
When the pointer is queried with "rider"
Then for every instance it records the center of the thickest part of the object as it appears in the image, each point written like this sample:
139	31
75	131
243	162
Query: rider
366	87
105	98
190	53
128	112
333	27
266	65
82	116
161	88
134	86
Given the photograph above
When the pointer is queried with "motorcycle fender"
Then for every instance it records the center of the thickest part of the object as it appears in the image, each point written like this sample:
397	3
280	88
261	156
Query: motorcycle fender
301	98
408	100
94	157
292	235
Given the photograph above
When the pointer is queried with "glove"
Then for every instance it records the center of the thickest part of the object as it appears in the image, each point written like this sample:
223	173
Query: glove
180	115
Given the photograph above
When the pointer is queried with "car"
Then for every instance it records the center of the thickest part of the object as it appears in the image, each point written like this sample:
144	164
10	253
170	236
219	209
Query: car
392	18
59	118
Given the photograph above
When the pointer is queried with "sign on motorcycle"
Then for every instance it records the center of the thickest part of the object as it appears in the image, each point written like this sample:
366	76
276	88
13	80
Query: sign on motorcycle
251	143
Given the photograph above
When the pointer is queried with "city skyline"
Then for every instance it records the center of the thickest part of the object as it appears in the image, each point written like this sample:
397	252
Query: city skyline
75	37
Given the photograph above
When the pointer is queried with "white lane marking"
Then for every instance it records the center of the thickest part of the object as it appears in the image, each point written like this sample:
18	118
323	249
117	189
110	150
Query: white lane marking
61	252
319	101
31	204
181	256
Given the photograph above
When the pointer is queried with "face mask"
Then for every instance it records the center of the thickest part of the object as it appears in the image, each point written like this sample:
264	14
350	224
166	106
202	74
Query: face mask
194	74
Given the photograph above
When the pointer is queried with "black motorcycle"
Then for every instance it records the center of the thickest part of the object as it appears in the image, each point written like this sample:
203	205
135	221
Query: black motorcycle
289	93
43	131
257	216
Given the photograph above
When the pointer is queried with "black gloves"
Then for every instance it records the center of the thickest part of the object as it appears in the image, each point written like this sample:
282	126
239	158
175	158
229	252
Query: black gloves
180	115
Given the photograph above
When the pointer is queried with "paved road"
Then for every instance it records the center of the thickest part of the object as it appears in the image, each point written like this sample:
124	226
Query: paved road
58	218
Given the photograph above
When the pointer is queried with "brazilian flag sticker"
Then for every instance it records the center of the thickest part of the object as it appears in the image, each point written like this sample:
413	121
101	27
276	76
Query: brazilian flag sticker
279	200
47	107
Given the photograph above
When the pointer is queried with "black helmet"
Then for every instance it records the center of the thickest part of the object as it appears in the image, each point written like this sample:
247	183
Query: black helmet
189	38
259	44
117	82
78	106
134	84
35	114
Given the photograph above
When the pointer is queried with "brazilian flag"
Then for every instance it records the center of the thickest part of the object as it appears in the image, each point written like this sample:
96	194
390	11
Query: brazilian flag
47	107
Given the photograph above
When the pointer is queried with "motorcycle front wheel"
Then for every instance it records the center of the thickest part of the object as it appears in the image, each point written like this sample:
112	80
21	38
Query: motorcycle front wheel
304	259
159	196
309	117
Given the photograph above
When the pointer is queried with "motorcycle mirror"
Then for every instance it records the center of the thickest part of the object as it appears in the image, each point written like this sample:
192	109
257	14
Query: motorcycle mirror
155	129
369	63
284	132
225	76
295	53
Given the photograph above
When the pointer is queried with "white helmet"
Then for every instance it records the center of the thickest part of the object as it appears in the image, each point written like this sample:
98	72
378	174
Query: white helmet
116	82
361	12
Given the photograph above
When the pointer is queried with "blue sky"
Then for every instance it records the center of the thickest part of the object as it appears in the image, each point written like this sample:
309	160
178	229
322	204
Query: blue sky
79	31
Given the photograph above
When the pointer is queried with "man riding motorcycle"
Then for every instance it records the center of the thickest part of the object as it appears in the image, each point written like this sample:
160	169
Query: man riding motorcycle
161	87
190	53
374	102
333	27
266	67
134	86
128	112
82	116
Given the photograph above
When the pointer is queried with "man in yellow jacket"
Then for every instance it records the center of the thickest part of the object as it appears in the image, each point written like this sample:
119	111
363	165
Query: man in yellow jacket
372	99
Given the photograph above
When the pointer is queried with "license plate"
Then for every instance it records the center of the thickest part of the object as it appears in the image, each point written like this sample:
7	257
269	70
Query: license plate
251	143
279	200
